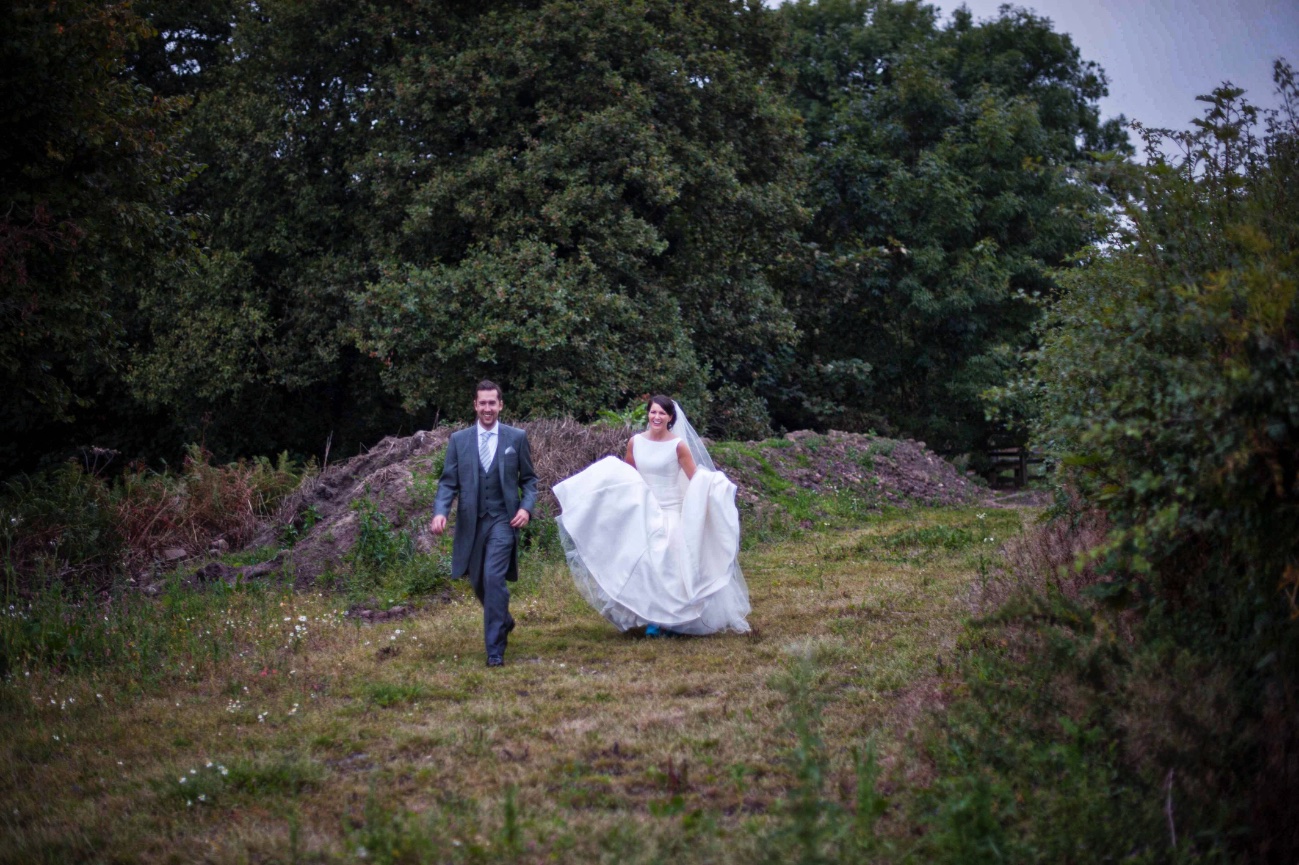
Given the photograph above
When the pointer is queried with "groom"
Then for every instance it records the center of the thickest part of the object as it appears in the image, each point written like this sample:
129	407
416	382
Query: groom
490	467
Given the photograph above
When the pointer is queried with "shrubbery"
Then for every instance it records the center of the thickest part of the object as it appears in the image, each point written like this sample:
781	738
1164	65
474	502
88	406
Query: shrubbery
1156	697
83	528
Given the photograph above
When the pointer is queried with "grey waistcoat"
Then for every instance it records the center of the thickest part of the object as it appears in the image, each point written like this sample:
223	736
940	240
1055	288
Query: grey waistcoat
491	496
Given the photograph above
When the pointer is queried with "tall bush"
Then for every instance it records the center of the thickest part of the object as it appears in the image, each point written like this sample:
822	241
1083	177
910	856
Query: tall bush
1167	387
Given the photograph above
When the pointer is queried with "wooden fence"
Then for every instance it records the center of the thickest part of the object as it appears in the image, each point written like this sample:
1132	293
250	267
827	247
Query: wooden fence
1017	460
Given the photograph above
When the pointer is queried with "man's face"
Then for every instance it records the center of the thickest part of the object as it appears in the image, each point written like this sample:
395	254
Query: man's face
487	405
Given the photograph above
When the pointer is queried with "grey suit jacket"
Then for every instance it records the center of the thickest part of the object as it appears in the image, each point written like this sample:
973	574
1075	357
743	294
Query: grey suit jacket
460	478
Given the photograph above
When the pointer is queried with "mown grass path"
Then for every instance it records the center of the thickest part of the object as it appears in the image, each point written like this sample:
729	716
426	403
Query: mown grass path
303	736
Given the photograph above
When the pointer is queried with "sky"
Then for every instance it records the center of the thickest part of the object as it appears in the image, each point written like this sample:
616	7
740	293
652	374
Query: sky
1160	54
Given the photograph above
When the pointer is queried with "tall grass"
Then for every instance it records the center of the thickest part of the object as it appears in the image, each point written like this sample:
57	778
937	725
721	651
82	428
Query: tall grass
142	640
1080	735
86	530
77	546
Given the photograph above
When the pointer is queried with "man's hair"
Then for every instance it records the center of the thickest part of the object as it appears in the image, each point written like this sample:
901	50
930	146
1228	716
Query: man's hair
486	384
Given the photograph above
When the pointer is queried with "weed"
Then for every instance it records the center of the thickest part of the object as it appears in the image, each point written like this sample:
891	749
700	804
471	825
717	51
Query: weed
816	828
79	527
300	526
377	544
424	484
634	416
881	447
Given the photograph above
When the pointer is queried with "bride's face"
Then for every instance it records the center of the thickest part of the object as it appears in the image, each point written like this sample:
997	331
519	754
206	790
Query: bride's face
658	418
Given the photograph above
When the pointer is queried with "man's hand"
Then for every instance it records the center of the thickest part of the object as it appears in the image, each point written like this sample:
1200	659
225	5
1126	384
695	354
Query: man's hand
438	524
520	519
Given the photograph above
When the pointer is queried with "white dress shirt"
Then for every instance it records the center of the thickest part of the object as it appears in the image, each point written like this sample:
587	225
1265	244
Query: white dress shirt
493	438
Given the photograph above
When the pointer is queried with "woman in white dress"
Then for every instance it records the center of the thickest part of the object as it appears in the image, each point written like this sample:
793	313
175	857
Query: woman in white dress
652	539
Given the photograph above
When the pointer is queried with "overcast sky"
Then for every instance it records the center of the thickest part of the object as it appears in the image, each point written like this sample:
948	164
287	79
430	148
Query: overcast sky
1160	54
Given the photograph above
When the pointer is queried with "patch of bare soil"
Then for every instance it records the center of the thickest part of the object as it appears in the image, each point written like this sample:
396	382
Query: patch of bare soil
398	478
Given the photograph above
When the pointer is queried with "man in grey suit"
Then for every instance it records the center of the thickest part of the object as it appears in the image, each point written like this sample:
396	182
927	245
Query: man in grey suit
489	466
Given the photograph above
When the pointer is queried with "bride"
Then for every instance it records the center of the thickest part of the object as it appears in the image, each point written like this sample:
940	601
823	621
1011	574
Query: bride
652	539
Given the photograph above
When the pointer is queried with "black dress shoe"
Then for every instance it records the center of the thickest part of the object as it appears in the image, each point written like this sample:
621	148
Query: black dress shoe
496	662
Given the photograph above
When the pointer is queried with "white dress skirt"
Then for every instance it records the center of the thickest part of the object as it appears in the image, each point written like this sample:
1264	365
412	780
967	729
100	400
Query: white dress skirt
647	546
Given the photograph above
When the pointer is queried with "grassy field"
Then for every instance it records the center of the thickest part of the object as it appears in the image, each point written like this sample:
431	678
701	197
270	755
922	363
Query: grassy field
255	725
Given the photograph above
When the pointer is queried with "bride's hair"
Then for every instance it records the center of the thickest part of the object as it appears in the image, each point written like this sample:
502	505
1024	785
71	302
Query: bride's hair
665	403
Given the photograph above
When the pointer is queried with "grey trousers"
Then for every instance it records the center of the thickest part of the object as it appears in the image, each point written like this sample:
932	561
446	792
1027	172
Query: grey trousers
488	564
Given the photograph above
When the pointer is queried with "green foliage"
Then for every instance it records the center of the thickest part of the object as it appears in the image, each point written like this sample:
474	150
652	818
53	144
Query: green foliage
813	827
378	546
931	537
215	783
424	483
617	180
89	530
385	567
145	639
387	694
635	416
249	345
1184	431
1070	743
1167	390
299	527
394	836
613	182
57	523
88	165
945	186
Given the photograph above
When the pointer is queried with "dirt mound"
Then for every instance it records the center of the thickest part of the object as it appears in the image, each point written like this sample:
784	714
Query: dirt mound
398	480
880	470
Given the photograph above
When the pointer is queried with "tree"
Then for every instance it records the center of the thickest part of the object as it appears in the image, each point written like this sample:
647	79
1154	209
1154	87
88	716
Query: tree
583	199
1167	388
946	184
579	199
89	161
250	346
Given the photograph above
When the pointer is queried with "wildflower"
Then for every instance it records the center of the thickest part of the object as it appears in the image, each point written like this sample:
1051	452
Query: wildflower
183	779
302	618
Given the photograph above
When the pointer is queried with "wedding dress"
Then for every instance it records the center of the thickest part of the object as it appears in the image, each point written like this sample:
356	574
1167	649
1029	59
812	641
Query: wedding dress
647	546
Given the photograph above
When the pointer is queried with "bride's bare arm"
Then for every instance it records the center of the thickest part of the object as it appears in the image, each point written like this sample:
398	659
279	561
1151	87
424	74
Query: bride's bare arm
685	458
630	459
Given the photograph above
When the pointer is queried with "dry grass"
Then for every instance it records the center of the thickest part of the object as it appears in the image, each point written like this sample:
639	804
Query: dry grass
1050	556
202	504
588	746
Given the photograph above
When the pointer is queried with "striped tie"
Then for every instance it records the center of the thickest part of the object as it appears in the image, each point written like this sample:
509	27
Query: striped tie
485	450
